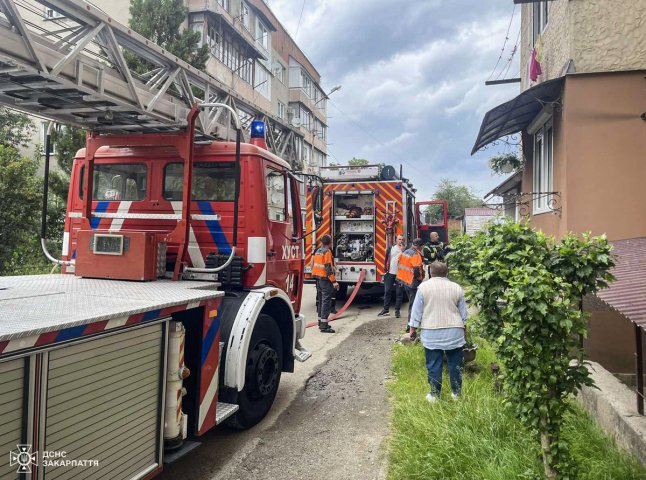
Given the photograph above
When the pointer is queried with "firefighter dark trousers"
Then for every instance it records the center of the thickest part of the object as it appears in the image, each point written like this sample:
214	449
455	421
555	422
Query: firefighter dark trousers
390	284
411	292
324	296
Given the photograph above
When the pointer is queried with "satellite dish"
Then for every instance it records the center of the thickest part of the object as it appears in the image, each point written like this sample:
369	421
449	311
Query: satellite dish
296	121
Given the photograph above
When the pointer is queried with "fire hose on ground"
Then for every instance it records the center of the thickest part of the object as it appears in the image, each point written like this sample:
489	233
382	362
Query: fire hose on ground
357	286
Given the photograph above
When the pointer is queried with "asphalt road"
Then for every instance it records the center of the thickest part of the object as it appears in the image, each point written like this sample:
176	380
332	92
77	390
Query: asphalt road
329	418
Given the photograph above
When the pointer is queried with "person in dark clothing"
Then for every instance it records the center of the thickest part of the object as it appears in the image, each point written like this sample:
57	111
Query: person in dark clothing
390	275
410	272
434	250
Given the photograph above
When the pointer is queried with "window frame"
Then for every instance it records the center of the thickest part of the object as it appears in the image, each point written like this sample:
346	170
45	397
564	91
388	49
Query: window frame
543	168
193	199
94	184
270	170
540	19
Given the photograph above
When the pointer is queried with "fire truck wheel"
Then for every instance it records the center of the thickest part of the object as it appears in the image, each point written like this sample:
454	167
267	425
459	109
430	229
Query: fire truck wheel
262	376
342	294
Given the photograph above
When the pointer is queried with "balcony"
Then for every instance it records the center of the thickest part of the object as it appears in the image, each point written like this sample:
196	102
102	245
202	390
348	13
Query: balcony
213	9
297	94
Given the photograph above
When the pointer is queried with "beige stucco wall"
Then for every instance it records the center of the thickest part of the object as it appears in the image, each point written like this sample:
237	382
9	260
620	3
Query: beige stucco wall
608	35
598	35
556	41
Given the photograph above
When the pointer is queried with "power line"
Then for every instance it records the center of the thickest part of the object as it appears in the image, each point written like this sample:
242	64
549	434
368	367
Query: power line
373	137
502	50
511	57
299	19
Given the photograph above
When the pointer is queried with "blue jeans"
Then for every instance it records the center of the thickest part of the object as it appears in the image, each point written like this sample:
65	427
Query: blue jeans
434	366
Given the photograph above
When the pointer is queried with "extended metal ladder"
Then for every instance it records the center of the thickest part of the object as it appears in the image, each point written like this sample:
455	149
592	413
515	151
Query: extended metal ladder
78	75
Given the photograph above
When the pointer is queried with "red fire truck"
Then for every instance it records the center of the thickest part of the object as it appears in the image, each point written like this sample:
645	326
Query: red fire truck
362	208
179	305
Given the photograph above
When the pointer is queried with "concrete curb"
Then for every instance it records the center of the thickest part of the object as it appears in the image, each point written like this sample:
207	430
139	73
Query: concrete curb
613	406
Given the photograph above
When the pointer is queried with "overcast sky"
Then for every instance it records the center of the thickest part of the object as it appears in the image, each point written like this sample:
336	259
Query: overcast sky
413	76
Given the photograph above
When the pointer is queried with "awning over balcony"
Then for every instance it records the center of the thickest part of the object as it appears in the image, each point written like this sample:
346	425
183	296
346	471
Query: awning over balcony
511	183
516	114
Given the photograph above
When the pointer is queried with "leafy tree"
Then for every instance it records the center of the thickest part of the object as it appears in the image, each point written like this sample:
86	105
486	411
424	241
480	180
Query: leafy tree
16	129
161	22
68	141
357	162
20	198
528	289
458	197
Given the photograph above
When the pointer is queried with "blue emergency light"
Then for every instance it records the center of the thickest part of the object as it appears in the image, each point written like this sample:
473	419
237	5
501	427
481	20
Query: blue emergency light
257	129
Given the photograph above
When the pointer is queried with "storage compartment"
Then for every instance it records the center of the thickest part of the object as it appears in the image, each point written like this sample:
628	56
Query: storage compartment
354	226
12	379
120	256
103	404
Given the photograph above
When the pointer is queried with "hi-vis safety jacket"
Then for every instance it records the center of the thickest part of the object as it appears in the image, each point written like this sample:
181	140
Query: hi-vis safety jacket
410	271
323	264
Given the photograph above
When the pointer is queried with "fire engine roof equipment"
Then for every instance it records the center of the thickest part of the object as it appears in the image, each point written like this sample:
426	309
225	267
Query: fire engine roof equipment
81	302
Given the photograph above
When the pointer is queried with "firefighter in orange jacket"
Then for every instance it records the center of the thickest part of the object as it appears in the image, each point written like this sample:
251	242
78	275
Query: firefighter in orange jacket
410	272
323	272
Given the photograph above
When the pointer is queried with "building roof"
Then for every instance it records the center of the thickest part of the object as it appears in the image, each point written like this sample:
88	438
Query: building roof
516	114
480	212
510	183
627	294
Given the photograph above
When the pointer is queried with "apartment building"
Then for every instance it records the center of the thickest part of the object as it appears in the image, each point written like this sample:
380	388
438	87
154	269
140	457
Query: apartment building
580	120
252	55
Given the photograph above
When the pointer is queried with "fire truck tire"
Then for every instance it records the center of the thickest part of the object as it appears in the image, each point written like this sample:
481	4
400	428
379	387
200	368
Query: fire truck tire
262	375
342	294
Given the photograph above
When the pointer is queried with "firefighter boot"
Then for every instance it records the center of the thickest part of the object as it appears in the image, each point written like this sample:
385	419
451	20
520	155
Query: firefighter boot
325	327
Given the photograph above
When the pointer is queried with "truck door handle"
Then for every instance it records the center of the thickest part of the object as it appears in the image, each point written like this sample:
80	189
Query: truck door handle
271	253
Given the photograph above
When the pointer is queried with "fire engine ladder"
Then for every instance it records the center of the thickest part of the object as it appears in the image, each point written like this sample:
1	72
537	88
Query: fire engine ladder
75	68
68	61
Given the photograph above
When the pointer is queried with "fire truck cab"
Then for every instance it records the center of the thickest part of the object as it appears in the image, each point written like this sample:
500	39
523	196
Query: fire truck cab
114	363
432	216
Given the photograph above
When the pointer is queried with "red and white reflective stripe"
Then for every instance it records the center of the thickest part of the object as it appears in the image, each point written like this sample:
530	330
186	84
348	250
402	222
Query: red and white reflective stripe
117	223
194	252
257	255
48	338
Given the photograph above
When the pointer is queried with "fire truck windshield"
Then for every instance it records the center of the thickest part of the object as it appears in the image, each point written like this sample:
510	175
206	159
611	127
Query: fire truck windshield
118	181
212	181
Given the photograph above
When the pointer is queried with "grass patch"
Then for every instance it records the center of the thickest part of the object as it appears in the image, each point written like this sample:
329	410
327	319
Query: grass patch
476	438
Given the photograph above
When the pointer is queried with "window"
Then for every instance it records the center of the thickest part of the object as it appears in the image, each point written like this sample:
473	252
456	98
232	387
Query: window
263	85
276	195
281	110
307	154
262	36
280	72
539	19
117	182
230	54
543	168
224	4
244	14
212	181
